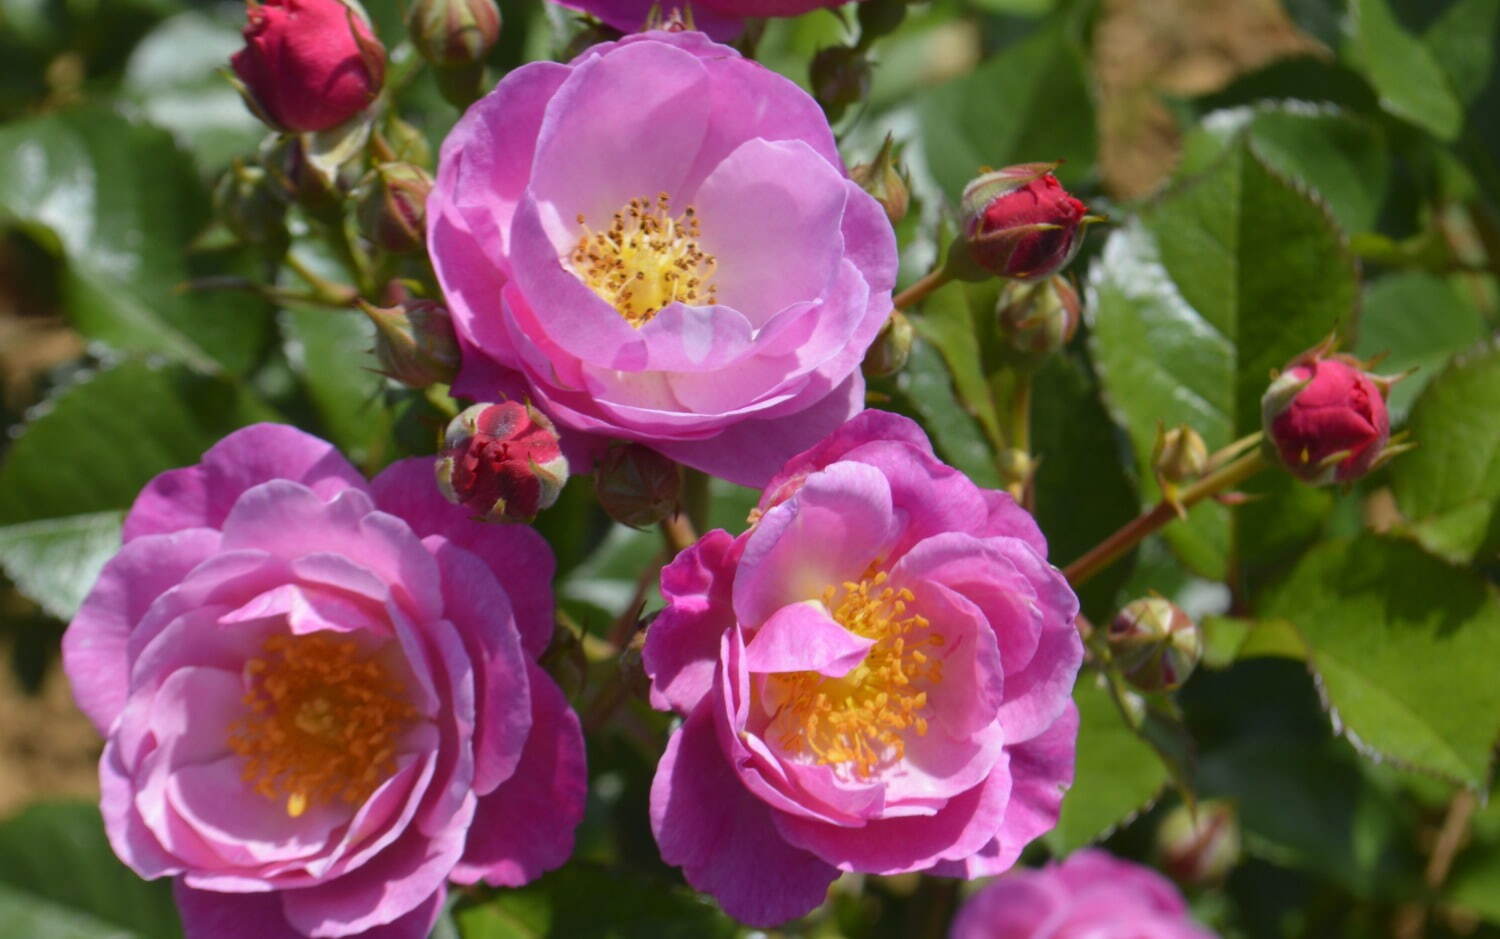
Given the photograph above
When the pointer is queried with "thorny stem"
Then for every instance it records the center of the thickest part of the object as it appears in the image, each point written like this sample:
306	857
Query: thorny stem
1110	549
1411	920
918	292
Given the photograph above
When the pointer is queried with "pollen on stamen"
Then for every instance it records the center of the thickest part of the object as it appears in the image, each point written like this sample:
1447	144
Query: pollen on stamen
859	721
316	710
638	264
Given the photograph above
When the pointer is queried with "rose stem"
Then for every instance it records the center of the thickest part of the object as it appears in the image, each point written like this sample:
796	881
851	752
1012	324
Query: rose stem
1107	551
918	292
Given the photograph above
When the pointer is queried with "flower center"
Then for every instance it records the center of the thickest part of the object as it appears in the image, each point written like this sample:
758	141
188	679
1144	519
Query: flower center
647	259
861	719
323	721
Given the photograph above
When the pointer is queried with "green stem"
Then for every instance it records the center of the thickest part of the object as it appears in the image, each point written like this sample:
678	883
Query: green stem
1110	549
1019	468
918	292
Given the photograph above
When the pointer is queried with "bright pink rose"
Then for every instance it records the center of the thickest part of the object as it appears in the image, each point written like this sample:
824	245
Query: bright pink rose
875	677
658	242
309	64
320	697
1091	895
1321	408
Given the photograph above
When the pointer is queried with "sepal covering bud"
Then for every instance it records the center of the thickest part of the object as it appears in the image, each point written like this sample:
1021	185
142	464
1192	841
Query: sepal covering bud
1198	846
887	355
453	32
840	76
247	203
1036	319
393	210
1155	644
1325	418
1019	222
1180	455
882	179
502	462
415	342
638	486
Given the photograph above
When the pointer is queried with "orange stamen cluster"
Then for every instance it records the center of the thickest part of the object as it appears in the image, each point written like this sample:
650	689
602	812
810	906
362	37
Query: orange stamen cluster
645	260
323	721
860	720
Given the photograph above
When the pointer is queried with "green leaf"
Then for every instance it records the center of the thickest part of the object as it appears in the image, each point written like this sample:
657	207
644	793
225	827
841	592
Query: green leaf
1415	321
584	901
948	323
1194	303
1404	648
327	349
1449	487
86	454
599	588
1405	73
1117	774
174	76
927	391
55	561
120	203
1030	101
1462	41
1341	157
1229	639
59	878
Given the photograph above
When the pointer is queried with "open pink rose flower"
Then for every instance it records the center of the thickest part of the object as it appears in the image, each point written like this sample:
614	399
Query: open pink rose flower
658	242
875	677
320	697
1091	895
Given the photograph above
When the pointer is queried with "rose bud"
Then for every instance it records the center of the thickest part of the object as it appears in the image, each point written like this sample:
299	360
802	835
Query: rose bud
881	179
249	207
840	77
454	36
1198	848
1325	419
638	486
415	342
1019	222
887	355
502	462
1036	319
298	179
1180	455
1155	644
308	65
393	209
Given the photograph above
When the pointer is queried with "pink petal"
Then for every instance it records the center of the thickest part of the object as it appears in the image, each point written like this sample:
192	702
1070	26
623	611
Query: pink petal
803	637
210	915
682	645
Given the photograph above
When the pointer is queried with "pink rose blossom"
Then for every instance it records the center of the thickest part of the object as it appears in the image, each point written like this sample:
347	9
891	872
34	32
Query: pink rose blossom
658	242
320	697
1091	895
875	677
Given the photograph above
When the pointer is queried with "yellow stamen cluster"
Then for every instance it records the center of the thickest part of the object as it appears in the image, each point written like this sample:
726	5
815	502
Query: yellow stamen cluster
860	721
323	721
645	260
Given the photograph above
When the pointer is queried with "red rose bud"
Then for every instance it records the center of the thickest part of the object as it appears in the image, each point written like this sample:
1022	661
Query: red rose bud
393	208
881	179
1036	319
308	65
453	32
1154	644
840	76
501	462
887	355
1325	418
415	342
638	486
1199	848
1019	222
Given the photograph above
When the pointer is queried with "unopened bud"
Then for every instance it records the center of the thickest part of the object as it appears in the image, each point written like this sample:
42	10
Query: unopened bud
887	355
881	179
1325	418
1036	319
879	18
566	661
1155	644
638	486
1199	848
840	77
502	462
298	179
308	65
1180	455
415	342
407	142
453	32
250	208
1019	222
393	210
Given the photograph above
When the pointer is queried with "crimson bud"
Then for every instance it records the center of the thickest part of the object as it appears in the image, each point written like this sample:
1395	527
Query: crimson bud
1019	222
1325	418
502	462
308	65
